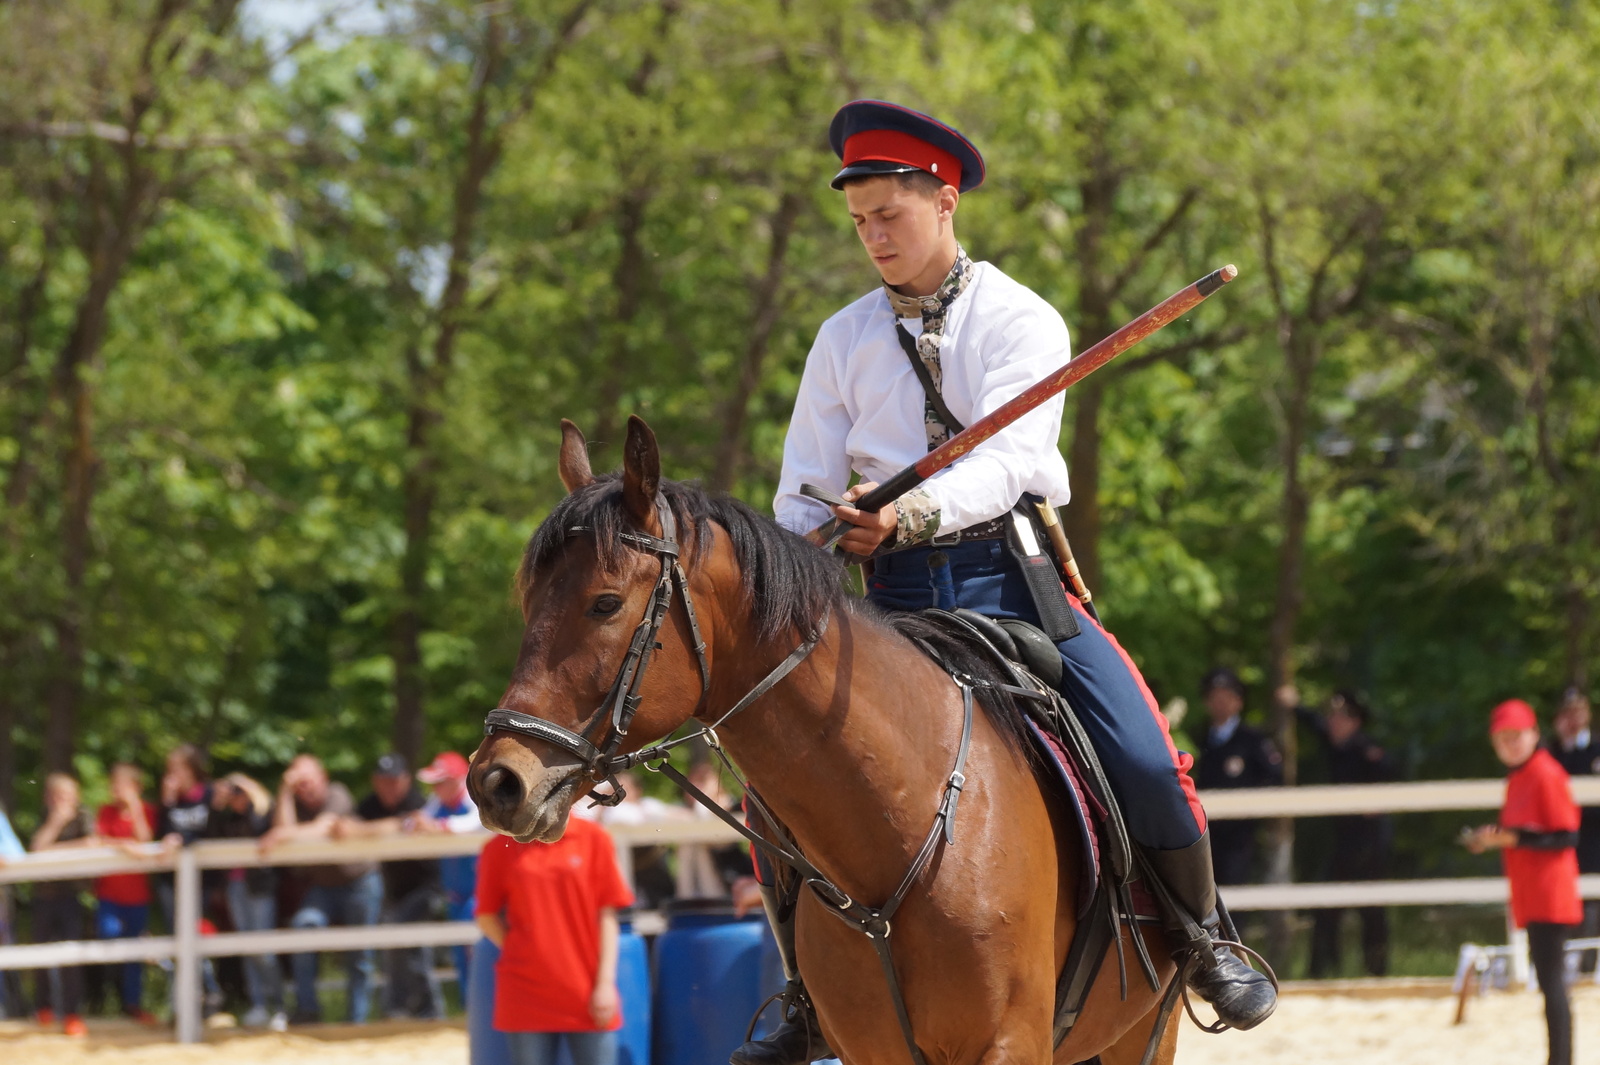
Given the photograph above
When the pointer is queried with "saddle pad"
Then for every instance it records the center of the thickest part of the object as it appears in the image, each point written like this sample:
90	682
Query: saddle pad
1090	815
1086	811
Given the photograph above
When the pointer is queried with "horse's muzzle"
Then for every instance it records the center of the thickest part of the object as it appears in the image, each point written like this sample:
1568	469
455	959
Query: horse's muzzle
509	803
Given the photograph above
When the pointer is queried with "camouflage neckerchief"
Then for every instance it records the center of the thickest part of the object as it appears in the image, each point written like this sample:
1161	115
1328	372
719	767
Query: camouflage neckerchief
933	310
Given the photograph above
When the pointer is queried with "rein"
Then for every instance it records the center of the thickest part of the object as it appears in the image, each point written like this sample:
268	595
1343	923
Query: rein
603	763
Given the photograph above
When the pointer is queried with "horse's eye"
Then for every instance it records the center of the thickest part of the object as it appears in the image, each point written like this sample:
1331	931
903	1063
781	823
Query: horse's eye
605	606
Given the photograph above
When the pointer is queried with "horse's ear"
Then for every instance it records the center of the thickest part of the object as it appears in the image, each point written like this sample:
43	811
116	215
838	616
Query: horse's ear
641	474
574	464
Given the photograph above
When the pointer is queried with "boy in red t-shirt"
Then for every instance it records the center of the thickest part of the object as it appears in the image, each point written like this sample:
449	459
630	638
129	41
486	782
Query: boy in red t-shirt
551	908
122	901
1538	831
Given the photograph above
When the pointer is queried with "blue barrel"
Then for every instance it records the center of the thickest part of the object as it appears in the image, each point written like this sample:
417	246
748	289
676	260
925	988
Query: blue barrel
712	972
485	1046
633	984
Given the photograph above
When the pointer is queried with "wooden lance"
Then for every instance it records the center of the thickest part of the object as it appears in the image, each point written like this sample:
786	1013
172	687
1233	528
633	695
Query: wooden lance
1174	306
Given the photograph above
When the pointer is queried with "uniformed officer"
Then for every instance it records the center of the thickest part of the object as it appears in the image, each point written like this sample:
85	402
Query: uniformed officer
1233	755
1361	842
1575	748
947	338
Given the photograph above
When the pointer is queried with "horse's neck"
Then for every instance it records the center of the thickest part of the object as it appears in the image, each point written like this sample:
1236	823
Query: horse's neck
851	750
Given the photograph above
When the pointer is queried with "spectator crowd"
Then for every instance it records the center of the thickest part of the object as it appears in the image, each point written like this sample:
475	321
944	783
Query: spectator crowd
189	805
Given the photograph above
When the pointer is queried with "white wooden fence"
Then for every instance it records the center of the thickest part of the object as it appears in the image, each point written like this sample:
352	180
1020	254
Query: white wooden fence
187	947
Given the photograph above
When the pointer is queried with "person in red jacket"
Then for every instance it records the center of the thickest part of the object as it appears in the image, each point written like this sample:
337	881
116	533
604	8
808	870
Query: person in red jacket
1538	832
551	908
122	900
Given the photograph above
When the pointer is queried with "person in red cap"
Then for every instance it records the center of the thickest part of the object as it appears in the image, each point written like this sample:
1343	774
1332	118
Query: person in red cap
450	809
944	341
1538	833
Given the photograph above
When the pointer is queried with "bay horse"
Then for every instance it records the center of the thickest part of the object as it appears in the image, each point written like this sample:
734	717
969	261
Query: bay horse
851	751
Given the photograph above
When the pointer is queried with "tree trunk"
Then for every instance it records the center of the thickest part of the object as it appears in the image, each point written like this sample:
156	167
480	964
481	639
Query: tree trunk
1098	191
1294	511
629	276
428	379
627	281
1082	517
1577	637
8	725
66	688
110	244
419	492
768	306
1301	358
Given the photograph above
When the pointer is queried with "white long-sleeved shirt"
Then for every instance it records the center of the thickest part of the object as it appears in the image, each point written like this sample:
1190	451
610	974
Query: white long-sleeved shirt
860	406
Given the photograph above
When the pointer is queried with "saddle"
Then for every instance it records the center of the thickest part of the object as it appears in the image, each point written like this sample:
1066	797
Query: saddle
1115	894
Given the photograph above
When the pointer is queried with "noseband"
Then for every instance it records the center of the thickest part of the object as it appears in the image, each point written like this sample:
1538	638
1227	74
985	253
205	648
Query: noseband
602	762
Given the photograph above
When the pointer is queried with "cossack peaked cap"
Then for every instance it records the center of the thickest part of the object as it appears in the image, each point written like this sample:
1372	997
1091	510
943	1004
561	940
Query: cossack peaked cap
873	137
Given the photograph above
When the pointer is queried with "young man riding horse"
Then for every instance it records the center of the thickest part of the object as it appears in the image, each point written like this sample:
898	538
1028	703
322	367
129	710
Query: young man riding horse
947	338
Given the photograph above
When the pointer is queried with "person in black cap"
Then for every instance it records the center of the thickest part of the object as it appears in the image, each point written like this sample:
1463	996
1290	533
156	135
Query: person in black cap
1361	842
411	889
944	341
1233	755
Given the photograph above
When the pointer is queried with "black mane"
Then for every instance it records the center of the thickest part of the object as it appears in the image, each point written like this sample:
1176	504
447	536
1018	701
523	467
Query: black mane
789	582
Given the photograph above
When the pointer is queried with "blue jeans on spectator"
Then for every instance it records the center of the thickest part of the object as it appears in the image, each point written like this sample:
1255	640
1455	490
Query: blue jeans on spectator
354	905
263	981
539	1048
115	920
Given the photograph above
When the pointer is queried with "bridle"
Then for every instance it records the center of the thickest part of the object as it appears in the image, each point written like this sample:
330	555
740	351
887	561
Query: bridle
601	762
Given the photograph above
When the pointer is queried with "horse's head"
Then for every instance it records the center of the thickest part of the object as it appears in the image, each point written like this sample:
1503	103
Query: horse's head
591	572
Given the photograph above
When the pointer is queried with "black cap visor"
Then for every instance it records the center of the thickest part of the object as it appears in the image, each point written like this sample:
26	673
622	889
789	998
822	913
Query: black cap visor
870	168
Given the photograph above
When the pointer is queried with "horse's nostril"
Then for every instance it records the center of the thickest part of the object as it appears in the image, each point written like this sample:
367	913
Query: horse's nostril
502	788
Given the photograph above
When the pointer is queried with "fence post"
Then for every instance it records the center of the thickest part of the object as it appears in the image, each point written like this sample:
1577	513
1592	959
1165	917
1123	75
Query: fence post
186	947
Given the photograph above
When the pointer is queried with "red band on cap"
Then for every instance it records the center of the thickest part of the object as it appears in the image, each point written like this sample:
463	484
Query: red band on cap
1512	714
892	146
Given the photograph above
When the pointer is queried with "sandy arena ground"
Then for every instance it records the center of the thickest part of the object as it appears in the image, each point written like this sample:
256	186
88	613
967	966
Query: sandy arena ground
1391	1025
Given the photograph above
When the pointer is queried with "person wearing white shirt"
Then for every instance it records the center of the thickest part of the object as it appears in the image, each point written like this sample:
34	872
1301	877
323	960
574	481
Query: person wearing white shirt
944	342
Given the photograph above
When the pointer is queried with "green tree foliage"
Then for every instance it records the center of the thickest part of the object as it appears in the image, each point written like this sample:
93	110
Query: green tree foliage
287	327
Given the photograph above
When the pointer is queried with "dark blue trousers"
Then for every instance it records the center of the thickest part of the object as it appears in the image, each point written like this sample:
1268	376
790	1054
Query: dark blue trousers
1148	774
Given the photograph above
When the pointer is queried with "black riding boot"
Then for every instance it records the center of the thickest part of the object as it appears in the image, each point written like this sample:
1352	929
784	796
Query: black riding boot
1242	997
797	1040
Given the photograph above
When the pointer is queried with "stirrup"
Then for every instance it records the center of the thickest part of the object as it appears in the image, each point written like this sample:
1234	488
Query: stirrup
797	1012
1191	964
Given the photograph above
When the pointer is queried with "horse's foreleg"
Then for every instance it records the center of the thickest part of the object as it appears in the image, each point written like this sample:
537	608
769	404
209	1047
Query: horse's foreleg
1130	1048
